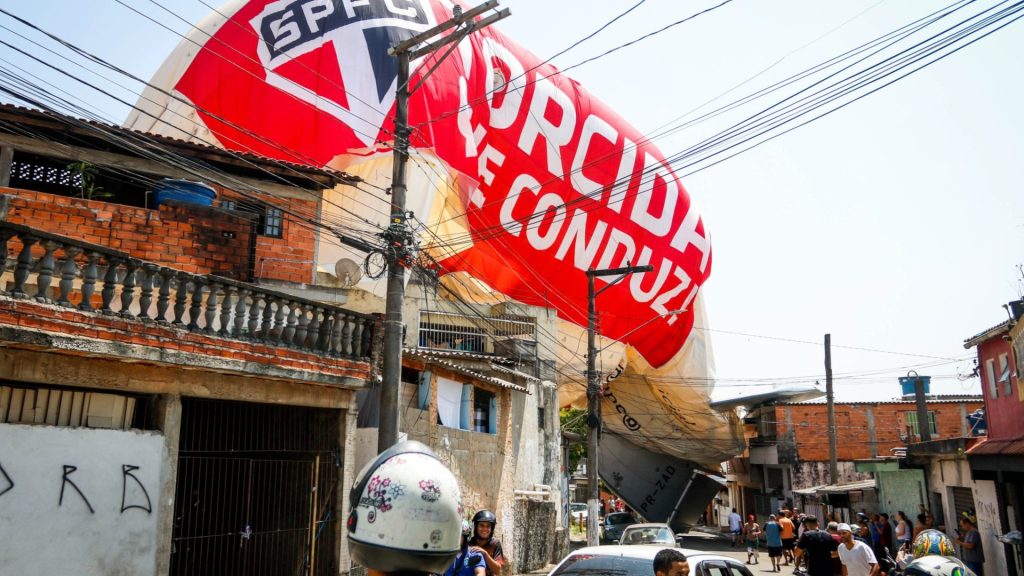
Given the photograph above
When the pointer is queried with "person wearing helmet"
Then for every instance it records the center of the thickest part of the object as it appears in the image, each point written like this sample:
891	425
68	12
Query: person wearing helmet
931	542
405	513
469	562
485	542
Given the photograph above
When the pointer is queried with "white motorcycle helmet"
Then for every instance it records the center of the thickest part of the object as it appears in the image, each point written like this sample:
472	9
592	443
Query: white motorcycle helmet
406	512
935	565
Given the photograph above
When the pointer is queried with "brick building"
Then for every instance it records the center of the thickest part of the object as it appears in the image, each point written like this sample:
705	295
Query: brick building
162	411
194	357
789	451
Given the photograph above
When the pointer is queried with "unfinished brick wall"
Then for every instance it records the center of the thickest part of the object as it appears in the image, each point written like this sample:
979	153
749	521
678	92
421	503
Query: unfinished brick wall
853	437
185	237
289	258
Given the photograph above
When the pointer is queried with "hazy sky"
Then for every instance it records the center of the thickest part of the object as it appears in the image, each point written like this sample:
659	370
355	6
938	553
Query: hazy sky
896	224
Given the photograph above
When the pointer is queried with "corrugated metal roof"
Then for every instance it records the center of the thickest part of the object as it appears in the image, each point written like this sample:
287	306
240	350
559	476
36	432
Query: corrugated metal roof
998	447
980	337
931	400
456	367
838	488
325	173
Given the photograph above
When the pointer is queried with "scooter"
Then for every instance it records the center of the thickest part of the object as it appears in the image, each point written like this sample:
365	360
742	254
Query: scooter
890	567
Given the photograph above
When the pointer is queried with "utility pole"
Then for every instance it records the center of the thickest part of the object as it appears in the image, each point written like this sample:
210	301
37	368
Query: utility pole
924	426
833	467
398	239
594	391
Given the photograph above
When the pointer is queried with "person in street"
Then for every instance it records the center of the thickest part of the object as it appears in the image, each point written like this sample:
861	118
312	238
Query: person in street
814	549
798	522
469	562
885	541
904	532
483	541
969	540
922	524
405	516
751	536
833	531
856	556
735	526
788	535
773	537
671	562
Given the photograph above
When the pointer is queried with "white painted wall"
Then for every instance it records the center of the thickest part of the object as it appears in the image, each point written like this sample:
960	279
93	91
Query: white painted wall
944	474
41	535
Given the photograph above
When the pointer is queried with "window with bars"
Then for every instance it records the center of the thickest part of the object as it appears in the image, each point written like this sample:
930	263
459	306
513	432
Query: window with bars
912	424
483	406
271	218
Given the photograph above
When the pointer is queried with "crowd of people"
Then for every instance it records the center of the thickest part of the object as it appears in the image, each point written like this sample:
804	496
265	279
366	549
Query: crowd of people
870	546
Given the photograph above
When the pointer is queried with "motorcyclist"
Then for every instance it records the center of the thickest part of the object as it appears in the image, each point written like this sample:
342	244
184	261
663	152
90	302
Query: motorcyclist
469	562
483	541
405	513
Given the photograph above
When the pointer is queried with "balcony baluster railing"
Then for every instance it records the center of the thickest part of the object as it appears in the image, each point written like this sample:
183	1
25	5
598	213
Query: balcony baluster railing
208	304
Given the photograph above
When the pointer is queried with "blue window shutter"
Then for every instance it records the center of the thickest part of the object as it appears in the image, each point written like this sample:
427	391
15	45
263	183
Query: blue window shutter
466	413
424	390
492	416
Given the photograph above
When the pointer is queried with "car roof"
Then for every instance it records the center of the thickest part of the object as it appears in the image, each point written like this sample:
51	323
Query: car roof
645	552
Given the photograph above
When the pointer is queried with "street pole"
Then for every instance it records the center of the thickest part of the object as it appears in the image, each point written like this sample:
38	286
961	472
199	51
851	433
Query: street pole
398	239
924	427
833	467
594	392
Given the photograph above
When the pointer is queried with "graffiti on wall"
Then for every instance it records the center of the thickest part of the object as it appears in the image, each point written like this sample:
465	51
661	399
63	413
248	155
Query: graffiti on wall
134	495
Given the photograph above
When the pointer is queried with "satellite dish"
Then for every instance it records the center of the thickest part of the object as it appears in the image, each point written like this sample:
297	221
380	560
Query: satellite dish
348	272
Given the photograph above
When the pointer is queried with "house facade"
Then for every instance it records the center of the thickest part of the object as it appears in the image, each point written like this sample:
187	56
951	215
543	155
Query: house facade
999	459
201	388
789	454
161	411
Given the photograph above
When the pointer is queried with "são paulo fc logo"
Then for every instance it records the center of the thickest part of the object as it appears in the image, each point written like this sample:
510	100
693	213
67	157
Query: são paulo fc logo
297	34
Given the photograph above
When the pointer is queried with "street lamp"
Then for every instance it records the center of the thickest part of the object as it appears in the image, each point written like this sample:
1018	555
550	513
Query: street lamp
593	396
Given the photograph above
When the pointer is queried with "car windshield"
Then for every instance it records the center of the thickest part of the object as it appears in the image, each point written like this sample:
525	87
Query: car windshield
647	536
578	507
620	518
610	565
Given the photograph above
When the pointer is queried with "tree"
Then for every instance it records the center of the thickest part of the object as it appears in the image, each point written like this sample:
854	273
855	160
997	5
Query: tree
574	420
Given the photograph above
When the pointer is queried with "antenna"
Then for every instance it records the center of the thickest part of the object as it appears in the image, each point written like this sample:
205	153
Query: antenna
348	272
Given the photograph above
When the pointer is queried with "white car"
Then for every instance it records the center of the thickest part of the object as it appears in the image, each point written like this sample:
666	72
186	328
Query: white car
639	561
578	511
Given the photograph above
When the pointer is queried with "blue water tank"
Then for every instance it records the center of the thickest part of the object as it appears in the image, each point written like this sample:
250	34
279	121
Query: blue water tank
183	191
977	423
907	382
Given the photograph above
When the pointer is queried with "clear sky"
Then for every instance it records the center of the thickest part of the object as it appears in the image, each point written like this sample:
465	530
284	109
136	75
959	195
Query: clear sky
896	224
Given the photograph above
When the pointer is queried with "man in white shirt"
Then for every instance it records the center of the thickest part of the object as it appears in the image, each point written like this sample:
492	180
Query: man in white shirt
856	556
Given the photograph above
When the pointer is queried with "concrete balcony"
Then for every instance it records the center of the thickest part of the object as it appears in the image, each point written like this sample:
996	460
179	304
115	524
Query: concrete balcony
62	294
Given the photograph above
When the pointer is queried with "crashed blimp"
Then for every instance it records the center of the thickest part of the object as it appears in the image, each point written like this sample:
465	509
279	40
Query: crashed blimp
522	181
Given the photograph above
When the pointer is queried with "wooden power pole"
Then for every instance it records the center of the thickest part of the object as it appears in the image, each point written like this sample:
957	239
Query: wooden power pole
594	392
833	467
398	239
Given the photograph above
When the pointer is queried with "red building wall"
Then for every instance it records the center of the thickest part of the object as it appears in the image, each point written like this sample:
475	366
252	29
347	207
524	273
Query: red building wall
853	438
1005	412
